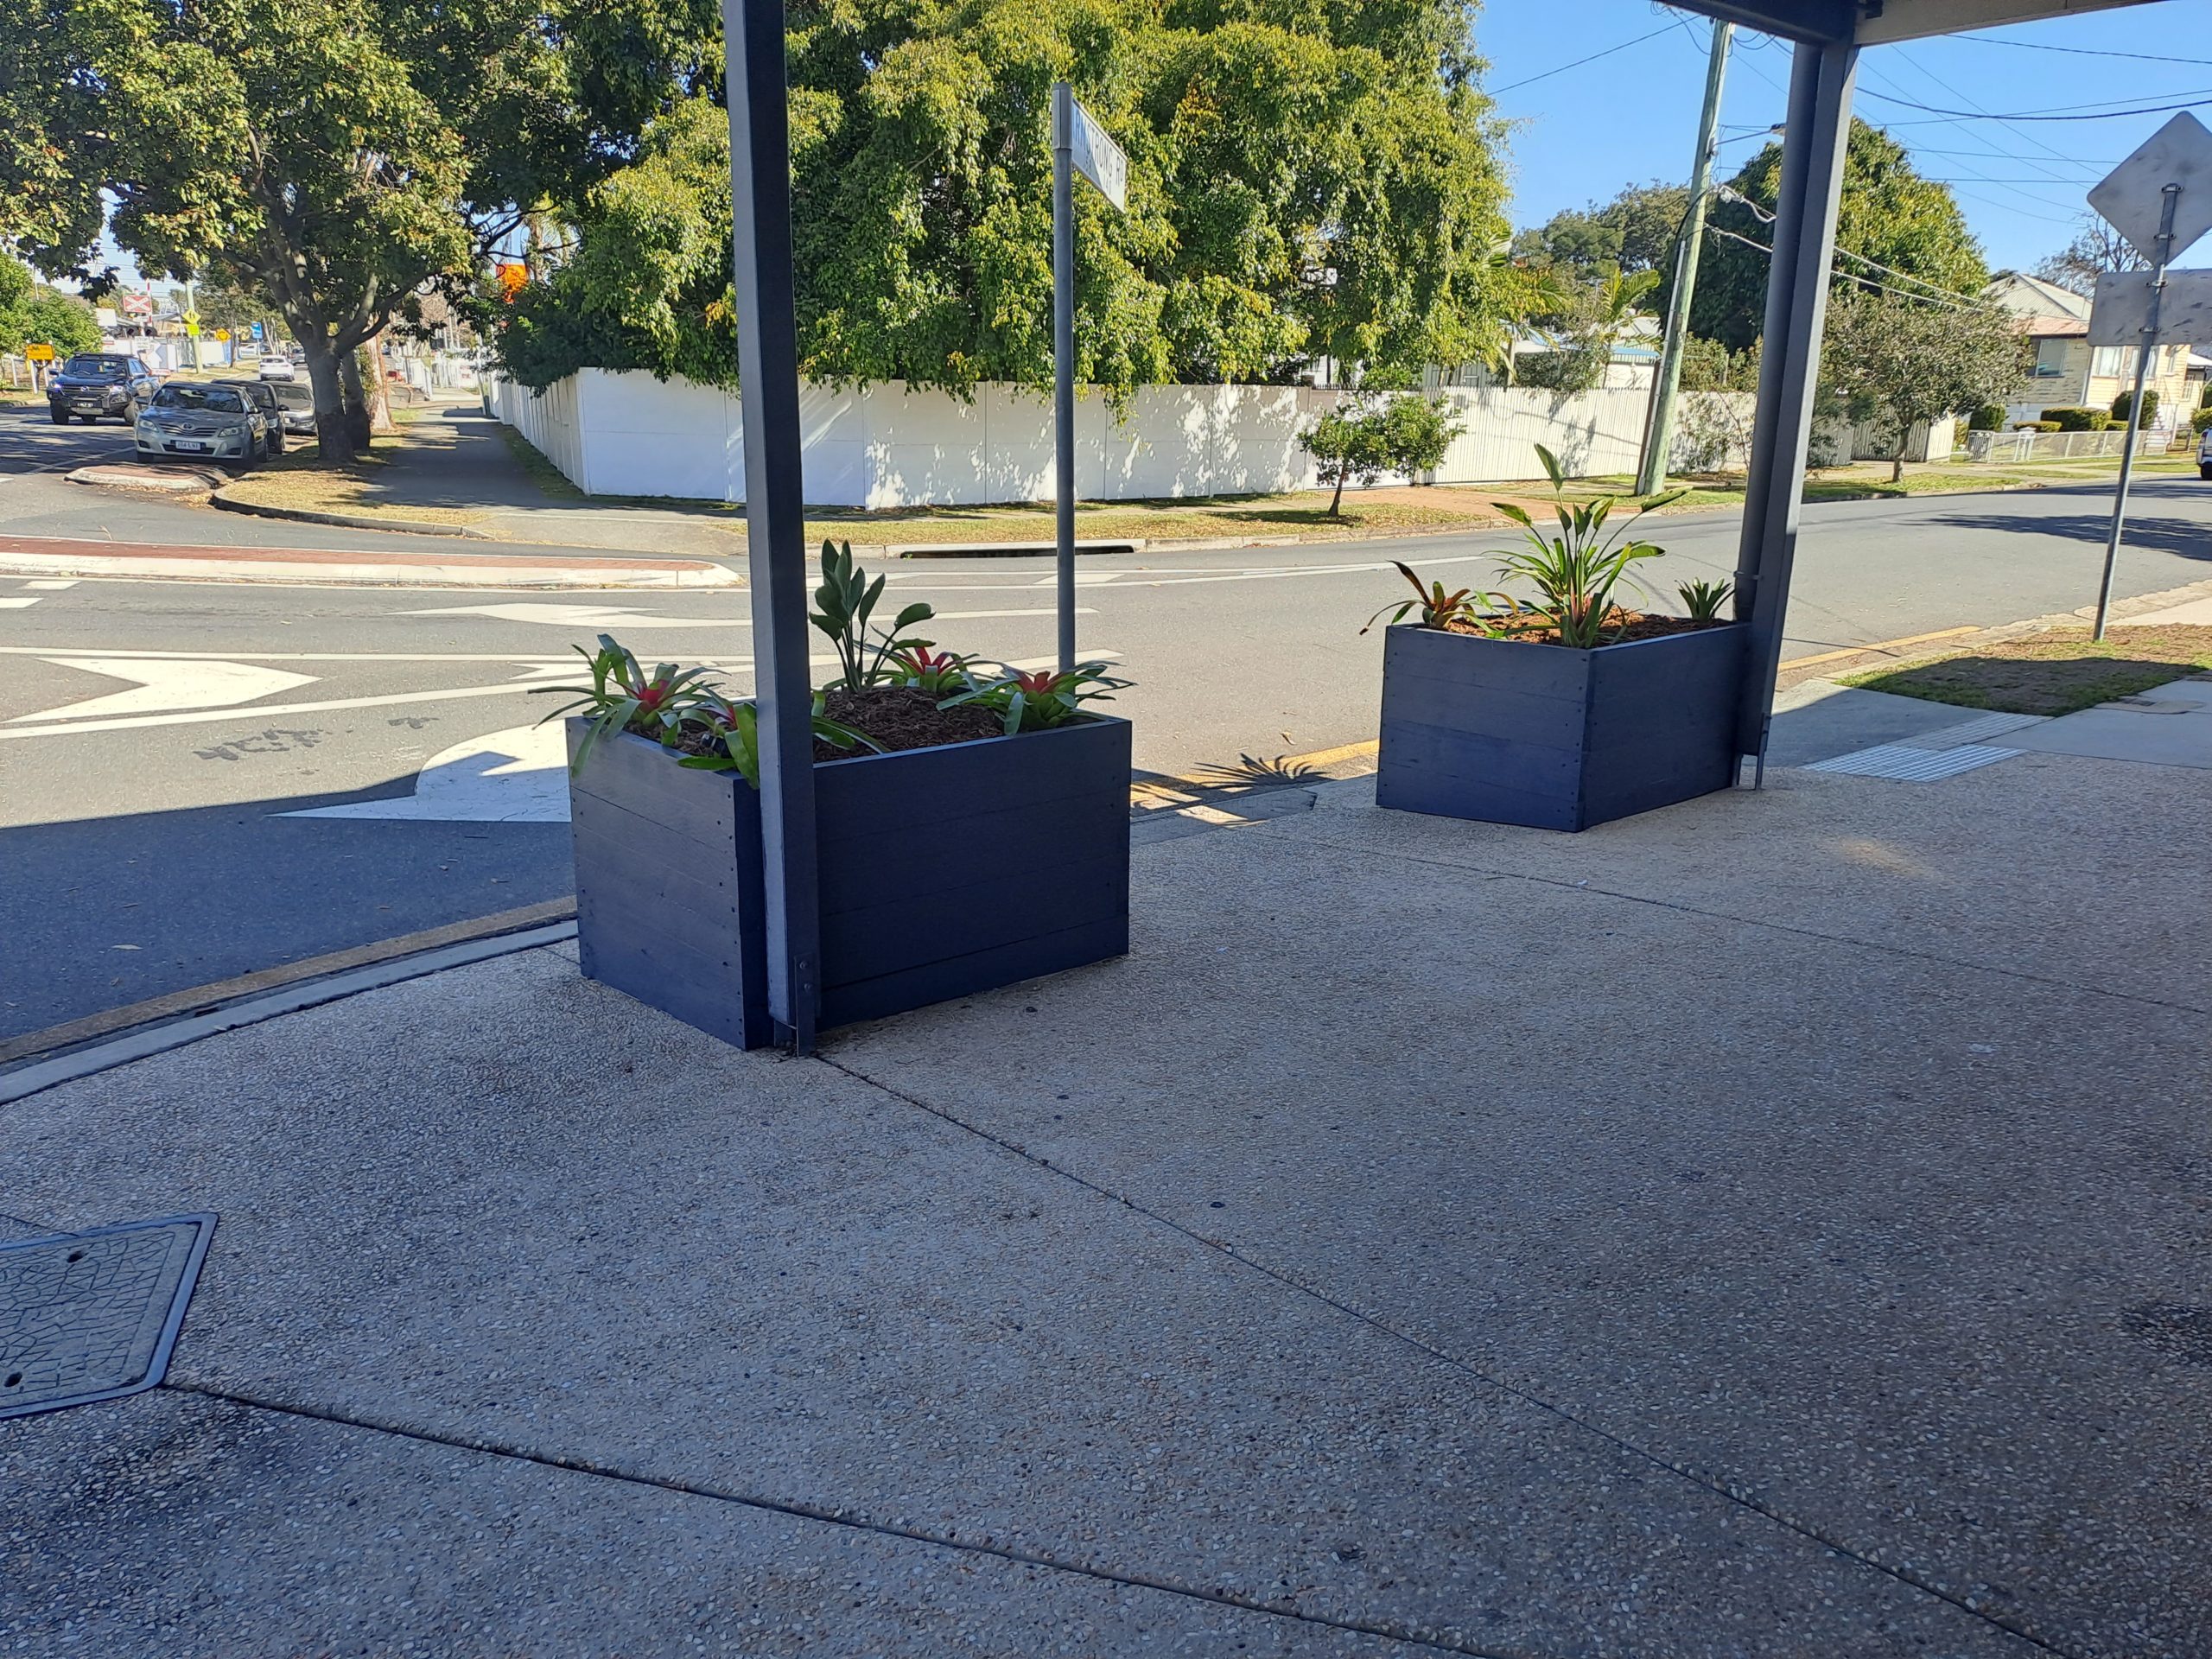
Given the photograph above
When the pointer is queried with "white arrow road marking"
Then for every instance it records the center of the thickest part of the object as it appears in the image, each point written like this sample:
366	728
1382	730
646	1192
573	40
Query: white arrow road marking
612	621
70	728
163	683
517	776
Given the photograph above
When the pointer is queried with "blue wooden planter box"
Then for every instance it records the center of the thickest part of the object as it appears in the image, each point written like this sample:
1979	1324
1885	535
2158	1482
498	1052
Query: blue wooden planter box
944	872
1512	733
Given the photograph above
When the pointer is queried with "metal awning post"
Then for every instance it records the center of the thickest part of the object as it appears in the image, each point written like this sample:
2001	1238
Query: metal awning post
1818	127
1064	364
767	348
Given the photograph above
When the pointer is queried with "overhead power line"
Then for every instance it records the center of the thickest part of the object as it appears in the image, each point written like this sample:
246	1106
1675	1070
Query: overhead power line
1836	275
1499	91
2196	102
2081	51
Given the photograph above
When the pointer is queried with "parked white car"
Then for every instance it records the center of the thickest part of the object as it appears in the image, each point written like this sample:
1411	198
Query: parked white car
276	366
202	422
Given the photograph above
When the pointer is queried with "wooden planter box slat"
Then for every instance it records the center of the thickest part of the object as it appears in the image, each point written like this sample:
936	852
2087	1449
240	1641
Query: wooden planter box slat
943	872
1509	732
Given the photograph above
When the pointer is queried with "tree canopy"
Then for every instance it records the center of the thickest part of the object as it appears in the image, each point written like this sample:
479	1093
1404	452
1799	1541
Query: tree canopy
30	312
1317	182
1896	362
1889	213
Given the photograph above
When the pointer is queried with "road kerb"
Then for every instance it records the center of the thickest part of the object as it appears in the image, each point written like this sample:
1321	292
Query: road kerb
32	557
202	1010
225	502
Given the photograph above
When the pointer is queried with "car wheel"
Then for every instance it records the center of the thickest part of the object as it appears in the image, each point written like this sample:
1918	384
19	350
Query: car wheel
275	442
60	418
2204	471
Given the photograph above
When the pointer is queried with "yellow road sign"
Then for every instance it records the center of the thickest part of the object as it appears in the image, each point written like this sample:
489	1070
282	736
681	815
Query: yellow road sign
222	334
192	330
40	353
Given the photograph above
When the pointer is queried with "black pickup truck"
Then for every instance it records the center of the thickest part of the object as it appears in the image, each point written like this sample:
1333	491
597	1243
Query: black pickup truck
93	385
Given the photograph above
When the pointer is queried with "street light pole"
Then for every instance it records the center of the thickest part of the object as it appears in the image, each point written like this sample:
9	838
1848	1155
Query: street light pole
1659	438
2170	197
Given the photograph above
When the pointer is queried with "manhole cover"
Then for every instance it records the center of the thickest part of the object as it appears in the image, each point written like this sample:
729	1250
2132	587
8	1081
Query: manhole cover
90	1316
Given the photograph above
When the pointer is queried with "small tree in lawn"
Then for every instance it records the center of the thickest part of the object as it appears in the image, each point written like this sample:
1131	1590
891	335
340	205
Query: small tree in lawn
1361	441
1894	362
1345	443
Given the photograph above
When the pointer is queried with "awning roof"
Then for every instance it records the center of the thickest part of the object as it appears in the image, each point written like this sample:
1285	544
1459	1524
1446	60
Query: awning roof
1872	21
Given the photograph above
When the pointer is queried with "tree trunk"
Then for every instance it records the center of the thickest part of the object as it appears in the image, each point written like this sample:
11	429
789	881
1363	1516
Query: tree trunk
1897	466
333	442
1337	501
357	406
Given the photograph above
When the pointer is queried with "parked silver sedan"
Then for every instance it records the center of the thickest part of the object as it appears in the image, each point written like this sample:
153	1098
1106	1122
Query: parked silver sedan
202	422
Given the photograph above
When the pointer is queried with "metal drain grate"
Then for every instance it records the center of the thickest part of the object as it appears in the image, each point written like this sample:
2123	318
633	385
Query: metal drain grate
92	1316
1911	766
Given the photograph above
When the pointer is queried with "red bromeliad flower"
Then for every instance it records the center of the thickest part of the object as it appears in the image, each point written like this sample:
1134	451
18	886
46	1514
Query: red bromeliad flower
1039	683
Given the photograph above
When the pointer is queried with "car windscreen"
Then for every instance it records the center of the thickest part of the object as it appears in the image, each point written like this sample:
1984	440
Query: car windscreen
293	395
254	390
93	365
218	400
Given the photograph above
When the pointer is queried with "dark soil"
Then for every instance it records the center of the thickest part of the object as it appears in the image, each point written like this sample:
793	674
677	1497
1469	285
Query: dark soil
1632	626
902	718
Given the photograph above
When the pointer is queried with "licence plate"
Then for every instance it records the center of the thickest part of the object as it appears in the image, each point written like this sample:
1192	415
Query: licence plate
190	443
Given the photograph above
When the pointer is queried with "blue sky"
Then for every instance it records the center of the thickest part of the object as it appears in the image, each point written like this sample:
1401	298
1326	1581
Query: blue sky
1631	117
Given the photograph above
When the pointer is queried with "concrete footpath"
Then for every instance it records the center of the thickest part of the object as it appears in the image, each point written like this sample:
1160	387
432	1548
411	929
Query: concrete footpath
1775	1226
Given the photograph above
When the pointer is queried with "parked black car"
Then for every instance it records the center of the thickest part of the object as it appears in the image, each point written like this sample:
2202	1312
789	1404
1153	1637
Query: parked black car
93	385
264	397
296	399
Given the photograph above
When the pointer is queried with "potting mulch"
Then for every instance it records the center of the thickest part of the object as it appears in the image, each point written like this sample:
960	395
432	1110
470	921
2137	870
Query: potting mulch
1631	625
903	717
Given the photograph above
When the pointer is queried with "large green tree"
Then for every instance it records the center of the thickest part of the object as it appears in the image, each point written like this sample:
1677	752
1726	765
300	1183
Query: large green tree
1889	213
1304	182
330	158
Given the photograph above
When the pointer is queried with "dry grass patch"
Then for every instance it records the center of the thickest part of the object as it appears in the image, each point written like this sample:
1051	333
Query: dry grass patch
301	481
2053	673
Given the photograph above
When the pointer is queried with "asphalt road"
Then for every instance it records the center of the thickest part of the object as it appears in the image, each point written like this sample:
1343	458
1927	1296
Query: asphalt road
159	742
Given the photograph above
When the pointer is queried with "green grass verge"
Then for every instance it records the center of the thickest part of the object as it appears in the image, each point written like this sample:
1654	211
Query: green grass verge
2054	673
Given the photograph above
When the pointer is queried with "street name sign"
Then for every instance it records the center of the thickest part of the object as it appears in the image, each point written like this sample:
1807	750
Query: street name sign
1098	157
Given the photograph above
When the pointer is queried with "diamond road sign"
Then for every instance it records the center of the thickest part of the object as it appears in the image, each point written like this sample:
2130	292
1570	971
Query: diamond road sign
2131	196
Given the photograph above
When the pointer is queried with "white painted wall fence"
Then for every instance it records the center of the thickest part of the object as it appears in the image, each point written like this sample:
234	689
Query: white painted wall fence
893	446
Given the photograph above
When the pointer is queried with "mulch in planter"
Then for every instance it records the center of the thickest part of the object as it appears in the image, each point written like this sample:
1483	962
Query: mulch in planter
903	717
1632	626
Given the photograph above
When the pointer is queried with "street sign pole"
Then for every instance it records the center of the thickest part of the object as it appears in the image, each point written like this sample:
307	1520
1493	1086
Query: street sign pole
1063	362
2171	195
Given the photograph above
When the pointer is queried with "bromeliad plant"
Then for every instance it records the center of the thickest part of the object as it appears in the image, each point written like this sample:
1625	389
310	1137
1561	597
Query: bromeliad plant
623	697
730	735
1579	575
679	708
843	604
1036	700
939	673
1577	572
1703	600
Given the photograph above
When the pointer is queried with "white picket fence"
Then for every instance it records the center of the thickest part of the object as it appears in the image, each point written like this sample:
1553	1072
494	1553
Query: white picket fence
889	445
2061	446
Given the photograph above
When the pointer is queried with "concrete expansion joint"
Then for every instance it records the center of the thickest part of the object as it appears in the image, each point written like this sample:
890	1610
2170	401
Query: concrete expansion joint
851	1519
1878	946
1720	1486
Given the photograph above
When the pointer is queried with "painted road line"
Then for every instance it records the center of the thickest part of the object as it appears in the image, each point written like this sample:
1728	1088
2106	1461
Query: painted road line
610	620
201	716
162	684
51	585
517	776
13	604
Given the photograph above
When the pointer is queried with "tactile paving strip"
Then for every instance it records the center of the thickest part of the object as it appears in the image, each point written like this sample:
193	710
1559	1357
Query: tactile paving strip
93	1316
1911	766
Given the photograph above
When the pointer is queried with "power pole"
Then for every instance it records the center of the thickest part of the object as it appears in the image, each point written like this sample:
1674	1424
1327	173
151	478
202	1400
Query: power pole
1659	436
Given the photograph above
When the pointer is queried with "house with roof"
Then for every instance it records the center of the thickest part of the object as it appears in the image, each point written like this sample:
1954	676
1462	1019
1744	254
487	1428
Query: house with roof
2069	371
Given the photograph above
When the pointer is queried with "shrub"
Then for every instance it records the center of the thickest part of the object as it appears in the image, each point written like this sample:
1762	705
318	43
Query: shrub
1990	417
2120	406
2077	420
2037	426
2201	421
